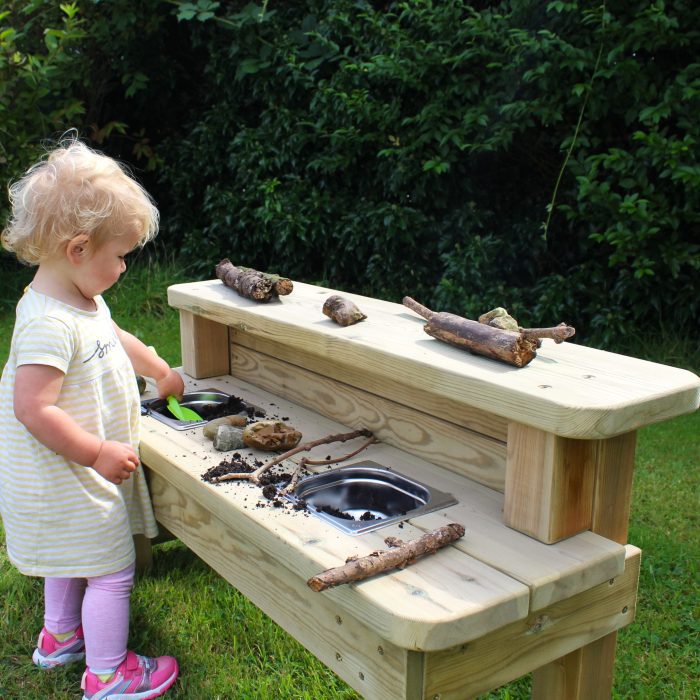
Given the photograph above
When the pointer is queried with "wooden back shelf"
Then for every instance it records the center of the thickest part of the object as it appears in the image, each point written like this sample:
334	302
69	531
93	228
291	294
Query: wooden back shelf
539	458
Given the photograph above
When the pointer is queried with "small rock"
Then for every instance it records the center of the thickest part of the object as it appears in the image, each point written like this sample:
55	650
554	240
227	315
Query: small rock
213	425
228	438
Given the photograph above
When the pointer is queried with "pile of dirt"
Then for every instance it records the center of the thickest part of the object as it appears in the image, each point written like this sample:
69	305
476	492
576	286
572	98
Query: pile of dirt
232	407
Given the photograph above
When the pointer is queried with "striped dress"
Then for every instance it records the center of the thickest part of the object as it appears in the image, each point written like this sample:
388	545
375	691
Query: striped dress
62	518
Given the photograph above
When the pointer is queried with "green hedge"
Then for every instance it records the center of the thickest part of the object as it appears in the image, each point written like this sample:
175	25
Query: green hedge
540	156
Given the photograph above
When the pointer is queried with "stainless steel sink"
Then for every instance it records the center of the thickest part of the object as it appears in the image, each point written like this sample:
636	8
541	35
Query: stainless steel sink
203	402
366	496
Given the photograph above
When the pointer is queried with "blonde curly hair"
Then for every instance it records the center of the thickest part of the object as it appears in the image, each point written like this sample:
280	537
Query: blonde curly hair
75	191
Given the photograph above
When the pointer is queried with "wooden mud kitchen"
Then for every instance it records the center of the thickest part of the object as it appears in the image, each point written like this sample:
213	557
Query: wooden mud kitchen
538	460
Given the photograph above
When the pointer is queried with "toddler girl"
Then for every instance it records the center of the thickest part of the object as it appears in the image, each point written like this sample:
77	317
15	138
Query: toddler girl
72	491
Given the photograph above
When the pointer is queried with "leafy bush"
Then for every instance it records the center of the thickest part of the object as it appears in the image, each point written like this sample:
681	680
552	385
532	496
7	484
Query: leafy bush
38	85
540	156
98	67
417	147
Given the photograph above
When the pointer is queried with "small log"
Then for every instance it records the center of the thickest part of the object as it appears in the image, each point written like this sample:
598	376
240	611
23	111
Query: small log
400	555
343	311
281	285
512	347
252	284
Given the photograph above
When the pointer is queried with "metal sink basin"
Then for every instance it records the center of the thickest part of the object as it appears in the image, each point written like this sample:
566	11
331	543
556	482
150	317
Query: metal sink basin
206	403
366	496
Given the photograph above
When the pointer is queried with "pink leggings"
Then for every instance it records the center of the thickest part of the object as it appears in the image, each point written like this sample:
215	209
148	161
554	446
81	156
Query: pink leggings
101	603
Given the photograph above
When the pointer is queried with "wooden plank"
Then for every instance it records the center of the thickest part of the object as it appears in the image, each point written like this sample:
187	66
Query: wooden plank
550	572
438	441
509	653
204	346
436	602
357	375
568	390
549	483
371	665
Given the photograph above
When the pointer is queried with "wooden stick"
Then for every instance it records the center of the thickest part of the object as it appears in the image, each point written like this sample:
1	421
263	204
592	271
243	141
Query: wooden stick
318	462
498	344
255	475
400	555
558	333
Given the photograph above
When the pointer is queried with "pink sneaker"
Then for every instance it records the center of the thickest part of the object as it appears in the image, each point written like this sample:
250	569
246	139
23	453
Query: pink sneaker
136	678
50	652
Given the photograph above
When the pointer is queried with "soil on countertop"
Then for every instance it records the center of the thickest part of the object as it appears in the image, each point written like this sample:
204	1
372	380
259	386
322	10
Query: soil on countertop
272	481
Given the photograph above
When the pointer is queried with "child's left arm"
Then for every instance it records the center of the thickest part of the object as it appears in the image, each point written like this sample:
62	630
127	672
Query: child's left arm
147	363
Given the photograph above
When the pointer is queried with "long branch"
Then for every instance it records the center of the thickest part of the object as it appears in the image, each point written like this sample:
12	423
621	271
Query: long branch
254	476
317	462
400	555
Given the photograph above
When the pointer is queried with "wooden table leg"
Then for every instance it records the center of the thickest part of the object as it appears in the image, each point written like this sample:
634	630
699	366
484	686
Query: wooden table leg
205	346
587	673
144	555
584	674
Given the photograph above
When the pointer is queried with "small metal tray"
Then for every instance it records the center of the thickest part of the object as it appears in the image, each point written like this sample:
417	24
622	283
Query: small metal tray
366	496
198	401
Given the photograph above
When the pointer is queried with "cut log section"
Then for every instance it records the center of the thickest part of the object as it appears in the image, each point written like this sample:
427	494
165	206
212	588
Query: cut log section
252	284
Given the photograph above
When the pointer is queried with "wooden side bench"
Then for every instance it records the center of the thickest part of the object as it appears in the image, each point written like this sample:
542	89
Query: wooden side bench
539	458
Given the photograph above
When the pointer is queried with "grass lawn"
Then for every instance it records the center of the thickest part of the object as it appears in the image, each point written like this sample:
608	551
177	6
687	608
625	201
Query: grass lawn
228	649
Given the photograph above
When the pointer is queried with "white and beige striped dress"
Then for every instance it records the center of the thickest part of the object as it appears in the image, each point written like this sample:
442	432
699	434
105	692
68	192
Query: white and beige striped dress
62	518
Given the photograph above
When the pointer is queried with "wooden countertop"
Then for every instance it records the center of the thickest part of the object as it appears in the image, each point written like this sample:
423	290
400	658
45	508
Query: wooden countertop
569	390
491	577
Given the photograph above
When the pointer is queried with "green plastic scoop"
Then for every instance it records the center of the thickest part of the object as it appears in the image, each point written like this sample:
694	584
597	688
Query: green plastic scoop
182	412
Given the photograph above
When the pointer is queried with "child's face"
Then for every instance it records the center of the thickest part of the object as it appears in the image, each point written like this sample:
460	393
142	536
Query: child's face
102	268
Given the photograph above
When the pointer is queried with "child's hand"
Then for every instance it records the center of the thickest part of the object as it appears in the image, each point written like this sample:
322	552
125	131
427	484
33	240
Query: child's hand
115	461
170	385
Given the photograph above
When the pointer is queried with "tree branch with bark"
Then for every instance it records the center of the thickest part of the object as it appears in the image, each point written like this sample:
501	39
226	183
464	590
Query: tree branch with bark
254	476
399	555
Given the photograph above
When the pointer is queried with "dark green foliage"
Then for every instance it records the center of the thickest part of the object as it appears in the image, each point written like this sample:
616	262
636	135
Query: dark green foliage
415	147
542	156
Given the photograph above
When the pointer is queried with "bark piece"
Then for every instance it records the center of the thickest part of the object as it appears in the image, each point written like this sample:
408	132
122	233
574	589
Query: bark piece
271	435
252	284
512	347
399	555
343	311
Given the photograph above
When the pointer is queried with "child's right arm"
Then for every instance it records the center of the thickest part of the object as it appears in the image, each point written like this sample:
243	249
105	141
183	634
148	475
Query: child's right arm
37	388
